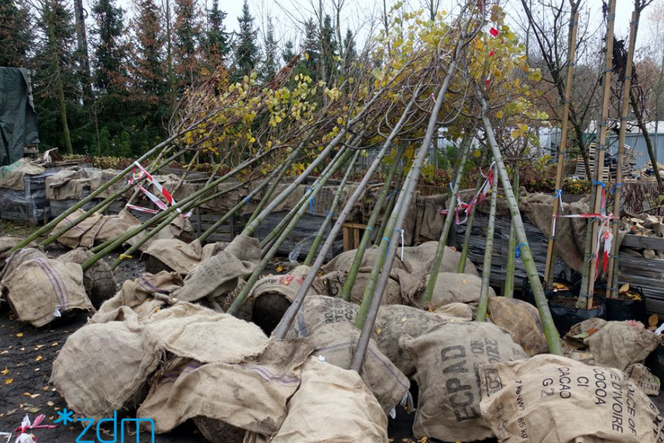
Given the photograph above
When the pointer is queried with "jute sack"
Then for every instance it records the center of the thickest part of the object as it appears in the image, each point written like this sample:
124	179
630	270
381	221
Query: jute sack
98	279
446	358
113	226
419	260
332	405
142	297
16	258
272	295
250	395
76	236
41	290
222	273
344	261
552	399
400	286
336	343
396	323
455	288
455	310
12	176
6	243
522	321
575	337
644	379
621	343
102	367
180	256
319	310
201	334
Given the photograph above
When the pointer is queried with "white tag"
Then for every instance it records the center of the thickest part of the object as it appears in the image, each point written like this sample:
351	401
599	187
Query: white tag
321	358
57	313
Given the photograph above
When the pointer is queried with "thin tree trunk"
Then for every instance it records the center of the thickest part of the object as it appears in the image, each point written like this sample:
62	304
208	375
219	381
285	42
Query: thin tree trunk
469	231
328	218
488	252
550	331
449	219
366	237
511	248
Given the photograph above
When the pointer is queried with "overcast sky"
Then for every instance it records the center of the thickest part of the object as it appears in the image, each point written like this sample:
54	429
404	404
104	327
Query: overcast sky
357	15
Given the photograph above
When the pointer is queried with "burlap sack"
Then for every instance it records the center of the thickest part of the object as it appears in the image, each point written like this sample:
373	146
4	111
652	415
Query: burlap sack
41	290
201	334
446	358
644	379
575	337
570	232
336	343
67	184
332	405
521	320
98	279
343	261
180	256
252	396
400	286
16	258
319	310
113	226
419	260
272	295
6	243
76	236
554	399
140	296
396	323
455	310
222	273
12	176
621	343
101	367
454	288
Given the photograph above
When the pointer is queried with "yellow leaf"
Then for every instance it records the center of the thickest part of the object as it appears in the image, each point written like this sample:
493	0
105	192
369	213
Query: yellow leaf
306	56
19	335
9	381
50	403
5	371
54	344
624	288
39	358
652	320
499	114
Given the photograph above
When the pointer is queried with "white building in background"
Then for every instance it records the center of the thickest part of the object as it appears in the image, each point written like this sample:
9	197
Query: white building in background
550	140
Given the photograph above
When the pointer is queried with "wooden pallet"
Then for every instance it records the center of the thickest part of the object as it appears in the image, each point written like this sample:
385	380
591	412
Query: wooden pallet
353	235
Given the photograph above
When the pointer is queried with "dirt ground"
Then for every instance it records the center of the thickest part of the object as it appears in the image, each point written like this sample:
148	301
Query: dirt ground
26	356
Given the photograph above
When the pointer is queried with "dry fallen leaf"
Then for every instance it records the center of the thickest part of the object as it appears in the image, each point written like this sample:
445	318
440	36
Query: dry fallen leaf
19	335
624	288
38	347
4	352
9	381
55	344
39	358
653	320
5	371
50	403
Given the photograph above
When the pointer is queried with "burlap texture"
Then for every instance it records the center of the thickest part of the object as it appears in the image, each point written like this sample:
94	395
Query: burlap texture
455	288
286	285
67	184
336	343
621	343
397	323
552	399
98	279
446	358
180	256
522	321
102	366
138	297
583	329
41	289
201	334
83	234
113	226
455	310
644	379
12	176
222	273
319	310
253	395
332	405
401	286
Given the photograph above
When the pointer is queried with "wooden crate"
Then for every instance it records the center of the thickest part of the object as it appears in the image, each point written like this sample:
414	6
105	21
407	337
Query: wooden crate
353	235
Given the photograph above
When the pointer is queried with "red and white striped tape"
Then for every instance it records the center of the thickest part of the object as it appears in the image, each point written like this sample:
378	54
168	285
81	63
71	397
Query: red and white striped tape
153	198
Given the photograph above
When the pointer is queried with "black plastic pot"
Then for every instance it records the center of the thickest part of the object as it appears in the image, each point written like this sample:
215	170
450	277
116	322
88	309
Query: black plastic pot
527	292
621	310
565	317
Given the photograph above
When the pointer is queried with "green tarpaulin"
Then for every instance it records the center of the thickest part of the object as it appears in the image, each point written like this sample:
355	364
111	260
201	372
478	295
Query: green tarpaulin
18	119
